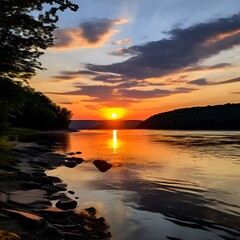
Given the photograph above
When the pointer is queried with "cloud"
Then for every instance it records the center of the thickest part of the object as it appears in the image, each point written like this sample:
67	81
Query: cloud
232	80
92	33
143	94
67	103
123	41
185	48
203	81
200	82
205	68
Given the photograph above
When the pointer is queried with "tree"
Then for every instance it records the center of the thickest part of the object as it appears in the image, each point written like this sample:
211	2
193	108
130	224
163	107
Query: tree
26	30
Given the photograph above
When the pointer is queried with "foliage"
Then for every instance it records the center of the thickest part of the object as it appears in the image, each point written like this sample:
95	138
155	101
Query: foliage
210	117
26	29
22	106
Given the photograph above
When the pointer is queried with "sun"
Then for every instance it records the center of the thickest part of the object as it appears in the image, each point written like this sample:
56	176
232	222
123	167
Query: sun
114	113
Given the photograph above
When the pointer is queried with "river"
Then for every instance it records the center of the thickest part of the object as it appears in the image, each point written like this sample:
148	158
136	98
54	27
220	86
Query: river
162	184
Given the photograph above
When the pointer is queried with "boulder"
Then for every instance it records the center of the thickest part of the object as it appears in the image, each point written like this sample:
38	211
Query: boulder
31	185
102	165
77	159
70	164
66	203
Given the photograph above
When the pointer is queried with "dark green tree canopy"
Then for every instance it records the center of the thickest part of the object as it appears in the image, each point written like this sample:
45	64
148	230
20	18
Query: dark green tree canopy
26	29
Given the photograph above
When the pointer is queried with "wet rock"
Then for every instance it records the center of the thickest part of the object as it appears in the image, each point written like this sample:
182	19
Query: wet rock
102	165
71	153
31	185
52	212
3	216
71	192
70	164
56	196
66	203
50	189
29	220
91	211
78	160
3	197
8	236
61	186
28	197
55	179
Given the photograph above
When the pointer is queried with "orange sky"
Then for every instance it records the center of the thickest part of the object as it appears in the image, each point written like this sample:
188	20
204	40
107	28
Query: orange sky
139	60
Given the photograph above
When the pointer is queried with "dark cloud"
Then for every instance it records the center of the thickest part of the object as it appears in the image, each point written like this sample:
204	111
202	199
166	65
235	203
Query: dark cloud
93	30
143	94
204	82
90	33
184	49
232	80
81	72
200	82
213	67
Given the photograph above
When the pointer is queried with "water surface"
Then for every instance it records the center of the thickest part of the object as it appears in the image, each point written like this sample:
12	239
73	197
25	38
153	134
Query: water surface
163	184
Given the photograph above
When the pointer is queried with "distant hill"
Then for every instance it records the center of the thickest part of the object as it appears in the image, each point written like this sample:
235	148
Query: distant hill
102	124
210	117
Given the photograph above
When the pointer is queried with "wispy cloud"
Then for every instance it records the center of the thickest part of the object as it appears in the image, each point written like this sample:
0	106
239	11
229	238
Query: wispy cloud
204	82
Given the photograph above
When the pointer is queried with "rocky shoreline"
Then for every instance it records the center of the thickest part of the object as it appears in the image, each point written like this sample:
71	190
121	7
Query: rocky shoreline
27	195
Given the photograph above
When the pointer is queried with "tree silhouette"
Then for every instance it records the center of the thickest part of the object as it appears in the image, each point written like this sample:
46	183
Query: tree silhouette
26	29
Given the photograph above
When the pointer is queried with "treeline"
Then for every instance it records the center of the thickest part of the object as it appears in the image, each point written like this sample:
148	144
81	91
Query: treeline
210	117
26	30
22	106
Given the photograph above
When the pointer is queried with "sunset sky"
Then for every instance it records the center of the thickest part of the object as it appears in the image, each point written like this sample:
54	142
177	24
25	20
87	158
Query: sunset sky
142	57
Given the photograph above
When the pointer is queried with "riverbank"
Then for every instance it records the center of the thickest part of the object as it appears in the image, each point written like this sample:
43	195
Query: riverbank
28	197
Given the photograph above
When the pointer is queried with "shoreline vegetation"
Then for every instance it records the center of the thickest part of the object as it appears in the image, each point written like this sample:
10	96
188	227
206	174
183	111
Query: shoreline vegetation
218	117
28	193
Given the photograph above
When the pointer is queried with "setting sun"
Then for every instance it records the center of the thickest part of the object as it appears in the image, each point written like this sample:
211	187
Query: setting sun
114	113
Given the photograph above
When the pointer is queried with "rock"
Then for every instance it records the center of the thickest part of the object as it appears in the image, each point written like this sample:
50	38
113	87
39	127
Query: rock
55	179
78	160
102	165
56	196
28	197
61	186
66	203
52	212
70	164
78	152
8	236
3	197
29	220
31	185
71	153
91	211
71	192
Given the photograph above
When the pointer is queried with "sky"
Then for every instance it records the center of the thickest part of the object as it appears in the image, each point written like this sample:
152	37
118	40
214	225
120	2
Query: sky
137	58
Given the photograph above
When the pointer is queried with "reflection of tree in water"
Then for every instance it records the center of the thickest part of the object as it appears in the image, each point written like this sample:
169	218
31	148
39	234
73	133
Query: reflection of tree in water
53	141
